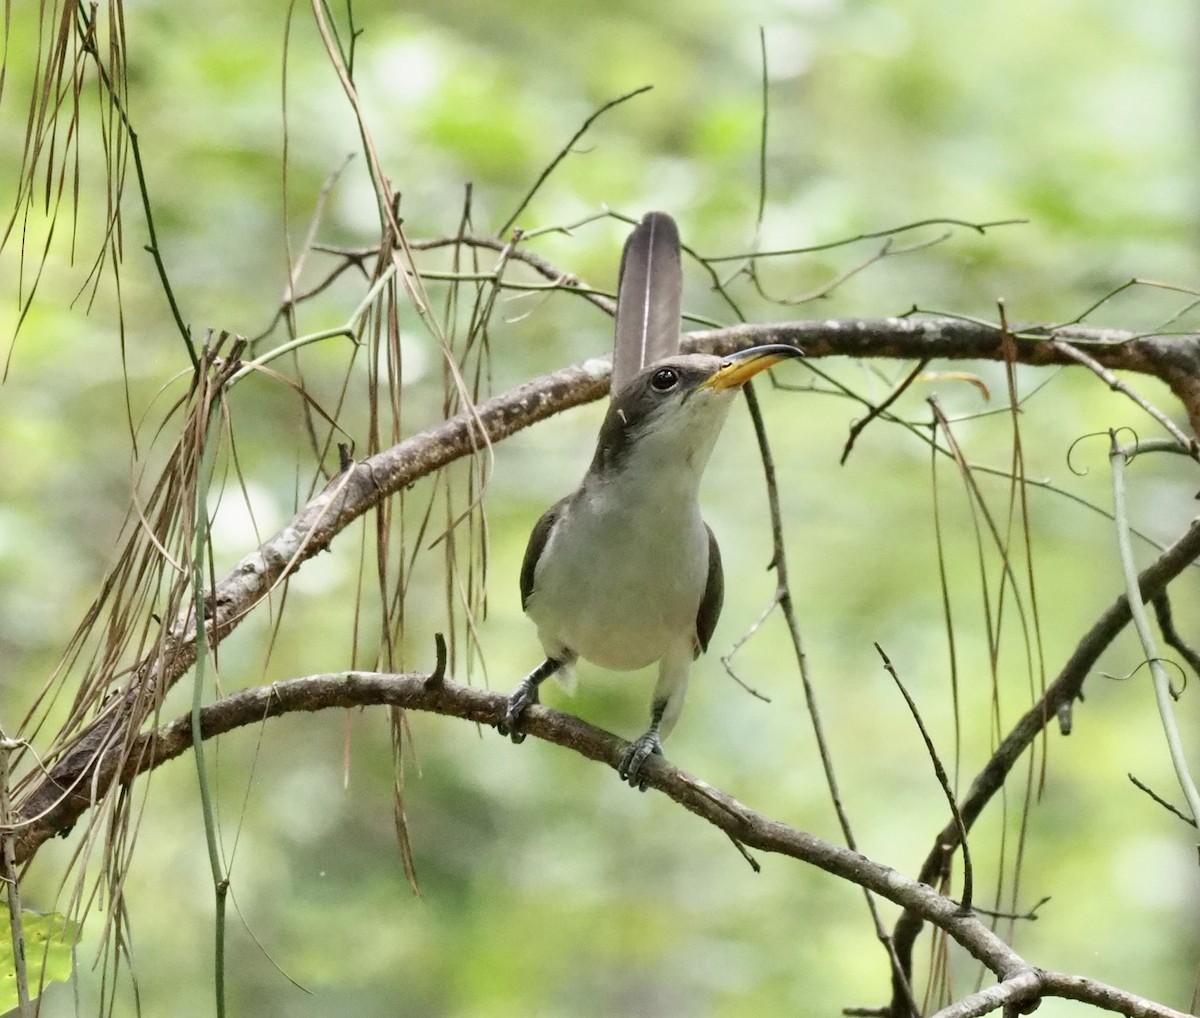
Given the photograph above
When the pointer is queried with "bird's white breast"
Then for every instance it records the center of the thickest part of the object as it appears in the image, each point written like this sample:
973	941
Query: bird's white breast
620	581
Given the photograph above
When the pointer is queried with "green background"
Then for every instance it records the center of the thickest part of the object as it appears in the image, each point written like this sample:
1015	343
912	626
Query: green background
547	888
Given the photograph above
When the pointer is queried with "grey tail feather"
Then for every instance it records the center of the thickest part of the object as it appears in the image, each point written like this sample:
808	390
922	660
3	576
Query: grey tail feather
649	298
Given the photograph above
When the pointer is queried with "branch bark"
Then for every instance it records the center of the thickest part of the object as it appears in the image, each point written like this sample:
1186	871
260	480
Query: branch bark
60	796
1020	983
75	781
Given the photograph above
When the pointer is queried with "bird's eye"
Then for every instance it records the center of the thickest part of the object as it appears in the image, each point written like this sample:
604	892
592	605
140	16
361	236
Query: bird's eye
664	379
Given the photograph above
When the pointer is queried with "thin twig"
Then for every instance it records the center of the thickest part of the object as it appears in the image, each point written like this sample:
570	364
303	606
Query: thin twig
1129	284
980	228
939	771
784	596
755	626
1161	801
857	427
1118	457
1166	625
1118	385
753	863
1029	914
88	44
8	873
563	153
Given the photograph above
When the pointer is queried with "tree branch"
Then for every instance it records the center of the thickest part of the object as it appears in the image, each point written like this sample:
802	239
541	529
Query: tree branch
1022	992
1020	982
1061	692
67	790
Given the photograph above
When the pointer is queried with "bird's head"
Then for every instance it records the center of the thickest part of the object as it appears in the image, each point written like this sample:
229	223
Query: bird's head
672	410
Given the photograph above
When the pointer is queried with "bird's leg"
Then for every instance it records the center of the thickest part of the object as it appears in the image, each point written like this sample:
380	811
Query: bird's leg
630	766
525	694
664	712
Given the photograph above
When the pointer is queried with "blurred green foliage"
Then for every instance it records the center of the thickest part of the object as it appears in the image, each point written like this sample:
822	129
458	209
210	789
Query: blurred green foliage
547	888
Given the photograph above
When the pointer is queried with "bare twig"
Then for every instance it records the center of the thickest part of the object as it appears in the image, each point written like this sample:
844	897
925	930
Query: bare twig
1171	637
755	626
1118	457
8	874
887	249
893	231
786	606
857	427
1114	383
542	266
86	31
1128	285
1160	800
750	860
563	153
939	771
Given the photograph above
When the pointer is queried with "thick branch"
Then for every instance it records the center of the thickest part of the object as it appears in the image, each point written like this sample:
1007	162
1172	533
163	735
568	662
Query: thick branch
1019	982
64	793
1173	359
1110	998
420	692
1021	993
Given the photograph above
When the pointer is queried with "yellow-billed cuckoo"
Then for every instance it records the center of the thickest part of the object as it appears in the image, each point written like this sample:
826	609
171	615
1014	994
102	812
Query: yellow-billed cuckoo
624	572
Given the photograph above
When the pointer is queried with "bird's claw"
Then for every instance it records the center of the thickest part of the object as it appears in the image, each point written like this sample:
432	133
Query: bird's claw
630	765
525	694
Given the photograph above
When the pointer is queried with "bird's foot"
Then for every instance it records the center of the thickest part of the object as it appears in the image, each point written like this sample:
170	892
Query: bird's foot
630	766
525	694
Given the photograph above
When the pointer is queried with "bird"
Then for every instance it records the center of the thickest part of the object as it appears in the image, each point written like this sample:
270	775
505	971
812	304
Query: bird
624	572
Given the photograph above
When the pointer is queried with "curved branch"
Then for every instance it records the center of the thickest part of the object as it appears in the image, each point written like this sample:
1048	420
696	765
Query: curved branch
1019	981
1022	992
1173	359
1110	998
424	692
64	793
1012	993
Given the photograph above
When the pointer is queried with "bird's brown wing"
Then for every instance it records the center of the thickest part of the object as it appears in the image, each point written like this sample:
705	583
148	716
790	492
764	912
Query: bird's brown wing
537	544
714	596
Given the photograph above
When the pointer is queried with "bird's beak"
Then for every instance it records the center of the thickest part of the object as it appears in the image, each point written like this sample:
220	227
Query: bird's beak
738	368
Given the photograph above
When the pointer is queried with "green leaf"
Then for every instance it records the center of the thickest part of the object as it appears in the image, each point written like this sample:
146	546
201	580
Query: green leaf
49	938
